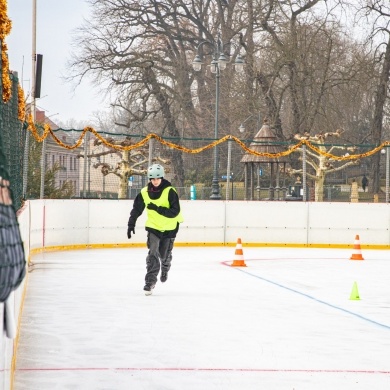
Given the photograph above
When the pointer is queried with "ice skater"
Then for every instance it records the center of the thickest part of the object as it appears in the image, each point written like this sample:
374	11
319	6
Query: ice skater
162	224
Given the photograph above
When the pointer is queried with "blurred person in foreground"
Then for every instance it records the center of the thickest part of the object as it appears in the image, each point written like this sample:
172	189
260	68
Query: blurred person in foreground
12	259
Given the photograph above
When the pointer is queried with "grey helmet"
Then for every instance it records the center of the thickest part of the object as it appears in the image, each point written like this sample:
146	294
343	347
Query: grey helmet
155	171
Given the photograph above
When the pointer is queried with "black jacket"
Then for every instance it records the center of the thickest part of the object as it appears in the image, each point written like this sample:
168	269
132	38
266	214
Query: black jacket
171	212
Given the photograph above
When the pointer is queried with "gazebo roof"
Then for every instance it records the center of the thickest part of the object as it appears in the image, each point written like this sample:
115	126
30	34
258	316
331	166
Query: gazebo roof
264	142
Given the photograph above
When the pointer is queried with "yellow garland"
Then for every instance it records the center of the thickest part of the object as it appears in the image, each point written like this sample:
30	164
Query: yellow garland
5	29
7	84
21	104
48	130
347	156
5	23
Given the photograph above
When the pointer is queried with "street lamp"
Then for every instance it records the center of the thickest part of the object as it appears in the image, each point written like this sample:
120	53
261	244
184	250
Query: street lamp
242	127
218	63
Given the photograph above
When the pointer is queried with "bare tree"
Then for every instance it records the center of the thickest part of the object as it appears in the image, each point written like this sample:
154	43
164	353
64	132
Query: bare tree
308	66
142	53
302	70
320	163
131	163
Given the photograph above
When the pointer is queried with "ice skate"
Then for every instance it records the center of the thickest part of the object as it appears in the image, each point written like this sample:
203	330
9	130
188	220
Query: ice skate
149	289
164	276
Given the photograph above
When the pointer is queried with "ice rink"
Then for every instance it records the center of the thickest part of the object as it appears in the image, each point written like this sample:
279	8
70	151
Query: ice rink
286	321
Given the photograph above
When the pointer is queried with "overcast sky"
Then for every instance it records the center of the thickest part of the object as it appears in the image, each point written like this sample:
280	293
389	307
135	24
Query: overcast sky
56	22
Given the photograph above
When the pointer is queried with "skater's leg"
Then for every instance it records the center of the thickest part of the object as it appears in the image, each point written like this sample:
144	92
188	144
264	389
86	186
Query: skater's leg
152	260
166	246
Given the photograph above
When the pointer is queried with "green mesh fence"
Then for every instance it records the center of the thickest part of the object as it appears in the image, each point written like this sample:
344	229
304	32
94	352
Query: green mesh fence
95	170
12	258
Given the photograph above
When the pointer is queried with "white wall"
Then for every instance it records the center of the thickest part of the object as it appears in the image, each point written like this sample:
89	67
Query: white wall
91	222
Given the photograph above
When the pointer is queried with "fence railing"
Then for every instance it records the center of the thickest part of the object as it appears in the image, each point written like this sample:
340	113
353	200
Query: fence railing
236	191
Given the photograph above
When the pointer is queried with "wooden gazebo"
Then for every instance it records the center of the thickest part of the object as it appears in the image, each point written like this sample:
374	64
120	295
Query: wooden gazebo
265	142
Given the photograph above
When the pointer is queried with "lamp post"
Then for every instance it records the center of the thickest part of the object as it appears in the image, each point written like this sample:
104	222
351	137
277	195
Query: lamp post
242	127
386	152
218	63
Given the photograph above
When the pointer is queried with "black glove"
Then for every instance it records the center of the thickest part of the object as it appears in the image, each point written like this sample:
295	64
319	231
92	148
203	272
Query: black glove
130	229
152	206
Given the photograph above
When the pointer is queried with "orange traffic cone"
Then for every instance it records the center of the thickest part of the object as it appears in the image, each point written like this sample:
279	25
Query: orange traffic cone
357	253
239	255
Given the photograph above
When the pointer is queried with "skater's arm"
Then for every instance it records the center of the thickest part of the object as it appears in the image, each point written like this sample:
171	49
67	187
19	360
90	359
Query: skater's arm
138	208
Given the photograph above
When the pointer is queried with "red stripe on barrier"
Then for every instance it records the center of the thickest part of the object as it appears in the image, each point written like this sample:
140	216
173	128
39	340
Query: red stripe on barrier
265	370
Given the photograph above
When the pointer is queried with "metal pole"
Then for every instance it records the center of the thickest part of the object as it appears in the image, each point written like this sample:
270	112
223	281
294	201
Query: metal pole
43	169
33	110
229	162
150	151
33	93
34	58
304	172
104	177
246	184
387	173
89	174
86	142
25	164
215	194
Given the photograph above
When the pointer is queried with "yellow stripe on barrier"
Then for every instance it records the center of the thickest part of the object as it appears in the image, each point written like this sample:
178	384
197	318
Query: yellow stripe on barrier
205	244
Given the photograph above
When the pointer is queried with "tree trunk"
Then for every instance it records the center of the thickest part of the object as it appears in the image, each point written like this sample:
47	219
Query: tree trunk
163	100
320	178
319	187
123	182
377	124
272	107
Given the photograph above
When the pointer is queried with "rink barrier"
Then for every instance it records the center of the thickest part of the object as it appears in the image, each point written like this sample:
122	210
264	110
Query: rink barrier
59	225
100	223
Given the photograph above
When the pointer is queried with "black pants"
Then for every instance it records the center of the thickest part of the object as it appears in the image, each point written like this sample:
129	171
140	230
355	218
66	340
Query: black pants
160	250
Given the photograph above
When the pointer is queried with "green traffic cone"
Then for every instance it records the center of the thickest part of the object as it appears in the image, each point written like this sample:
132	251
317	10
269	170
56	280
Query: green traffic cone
355	293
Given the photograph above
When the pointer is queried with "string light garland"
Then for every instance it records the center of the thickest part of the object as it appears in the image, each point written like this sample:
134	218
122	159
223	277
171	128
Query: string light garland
47	130
5	29
21	104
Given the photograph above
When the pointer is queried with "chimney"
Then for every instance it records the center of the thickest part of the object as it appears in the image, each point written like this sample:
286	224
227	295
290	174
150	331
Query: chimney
40	116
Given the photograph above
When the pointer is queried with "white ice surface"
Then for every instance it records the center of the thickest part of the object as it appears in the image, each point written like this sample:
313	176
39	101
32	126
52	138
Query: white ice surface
285	321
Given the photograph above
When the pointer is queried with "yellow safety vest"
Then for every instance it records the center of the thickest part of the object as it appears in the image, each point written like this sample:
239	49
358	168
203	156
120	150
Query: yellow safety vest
154	219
